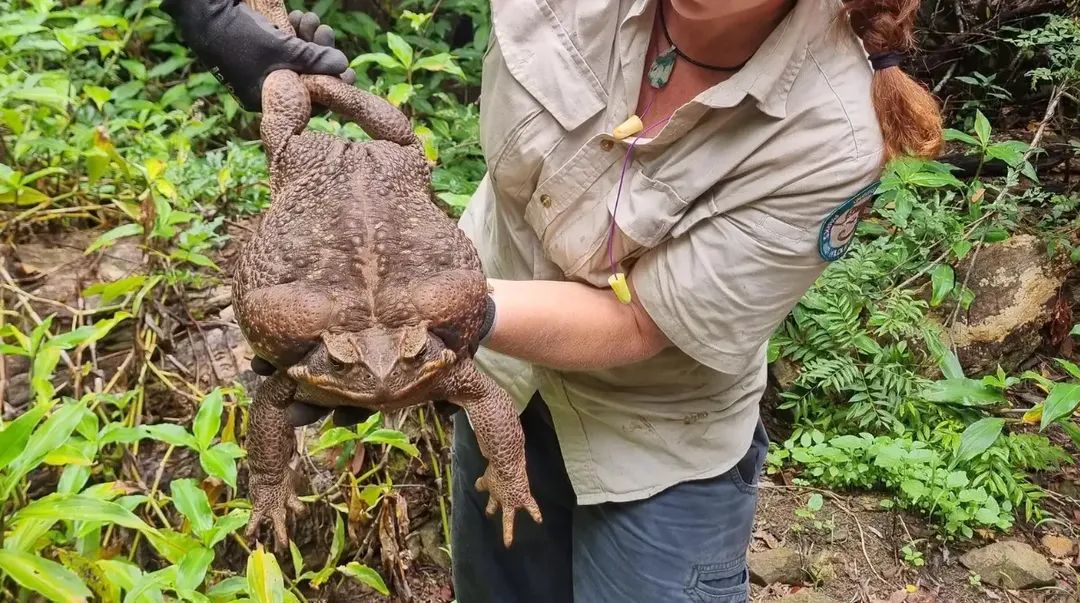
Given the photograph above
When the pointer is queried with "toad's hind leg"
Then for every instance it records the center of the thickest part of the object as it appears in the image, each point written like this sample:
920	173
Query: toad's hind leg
502	442
271	444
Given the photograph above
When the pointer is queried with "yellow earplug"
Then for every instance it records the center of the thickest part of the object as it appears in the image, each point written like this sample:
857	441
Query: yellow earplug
618	284
628	128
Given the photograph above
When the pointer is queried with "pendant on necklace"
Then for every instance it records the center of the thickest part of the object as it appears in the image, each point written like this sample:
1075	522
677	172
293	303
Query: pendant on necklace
661	69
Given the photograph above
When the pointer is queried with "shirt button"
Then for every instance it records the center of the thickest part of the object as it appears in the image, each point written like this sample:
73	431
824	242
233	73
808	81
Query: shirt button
607	144
545	200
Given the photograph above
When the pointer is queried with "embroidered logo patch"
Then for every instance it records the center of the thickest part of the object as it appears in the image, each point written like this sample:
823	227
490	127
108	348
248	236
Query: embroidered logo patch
838	230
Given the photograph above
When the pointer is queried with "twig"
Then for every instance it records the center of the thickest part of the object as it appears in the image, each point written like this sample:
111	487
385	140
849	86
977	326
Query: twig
948	76
1051	110
862	535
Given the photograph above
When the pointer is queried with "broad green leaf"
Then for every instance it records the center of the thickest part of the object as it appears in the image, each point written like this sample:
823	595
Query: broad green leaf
265	582
335	436
816	502
297	560
381	58
225	525
951	134
88	333
17	433
961	248
191	501
172	434
966	392
172	545
120	232
440	62
400	48
192	569
455	200
1062	402
1070	367
227	590
49	436
392	438
58	507
99	95
152	584
942	280
914	489
220	464
43	576
977	438
208	418
399	94
365	575
982	128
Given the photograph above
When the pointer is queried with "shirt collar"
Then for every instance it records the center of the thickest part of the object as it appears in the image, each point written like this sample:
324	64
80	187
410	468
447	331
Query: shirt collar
769	74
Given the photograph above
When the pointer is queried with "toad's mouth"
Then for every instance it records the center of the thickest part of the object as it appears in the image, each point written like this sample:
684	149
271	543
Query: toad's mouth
381	394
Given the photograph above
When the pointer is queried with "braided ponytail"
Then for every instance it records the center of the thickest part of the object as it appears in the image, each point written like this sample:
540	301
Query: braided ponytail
909	115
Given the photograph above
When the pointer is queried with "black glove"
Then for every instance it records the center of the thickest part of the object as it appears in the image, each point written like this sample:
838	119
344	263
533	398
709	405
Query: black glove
242	47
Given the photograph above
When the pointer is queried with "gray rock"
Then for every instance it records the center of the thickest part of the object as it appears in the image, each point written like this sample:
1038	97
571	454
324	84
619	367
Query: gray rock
806	595
426	543
779	565
1009	564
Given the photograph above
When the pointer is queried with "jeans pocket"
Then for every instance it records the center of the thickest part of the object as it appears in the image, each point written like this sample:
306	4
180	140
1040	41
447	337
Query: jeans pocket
747	472
720	583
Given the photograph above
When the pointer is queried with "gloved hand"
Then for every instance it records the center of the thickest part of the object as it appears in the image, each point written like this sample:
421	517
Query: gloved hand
242	47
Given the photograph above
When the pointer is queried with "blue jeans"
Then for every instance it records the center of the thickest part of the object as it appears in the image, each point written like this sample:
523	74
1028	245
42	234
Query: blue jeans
686	544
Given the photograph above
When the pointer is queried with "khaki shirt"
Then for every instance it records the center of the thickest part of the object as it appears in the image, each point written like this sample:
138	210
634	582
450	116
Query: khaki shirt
720	225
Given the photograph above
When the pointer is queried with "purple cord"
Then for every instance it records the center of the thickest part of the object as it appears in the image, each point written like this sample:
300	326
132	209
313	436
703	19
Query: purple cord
622	176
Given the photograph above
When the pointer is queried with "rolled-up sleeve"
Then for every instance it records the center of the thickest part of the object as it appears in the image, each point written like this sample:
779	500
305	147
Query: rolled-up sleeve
721	289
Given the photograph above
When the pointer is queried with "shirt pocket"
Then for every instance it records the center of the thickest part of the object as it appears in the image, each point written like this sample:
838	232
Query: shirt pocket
582	240
537	88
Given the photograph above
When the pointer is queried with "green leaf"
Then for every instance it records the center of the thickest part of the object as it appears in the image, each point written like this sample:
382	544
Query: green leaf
17	433
816	502
225	525
365	575
977	438
982	128
265	582
951	134
226	590
297	560
124	230
332	437
208	418
440	62
193	568
381	58
399	94
961	248
99	95
174	435
52	434
966	392
455	200
115	289
1062	402
400	48
392	438
89	333
43	576
57	507
1070	367
191	501
914	489
218	463
942	280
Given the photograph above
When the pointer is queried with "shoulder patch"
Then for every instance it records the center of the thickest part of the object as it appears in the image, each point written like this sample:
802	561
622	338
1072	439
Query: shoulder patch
838	230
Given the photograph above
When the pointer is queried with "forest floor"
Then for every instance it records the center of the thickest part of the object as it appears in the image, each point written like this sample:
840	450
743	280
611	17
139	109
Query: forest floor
843	547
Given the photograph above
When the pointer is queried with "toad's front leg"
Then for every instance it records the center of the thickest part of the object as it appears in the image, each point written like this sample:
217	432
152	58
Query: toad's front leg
501	440
271	443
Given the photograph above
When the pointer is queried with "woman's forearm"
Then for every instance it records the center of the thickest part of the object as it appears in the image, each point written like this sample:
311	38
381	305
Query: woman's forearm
570	326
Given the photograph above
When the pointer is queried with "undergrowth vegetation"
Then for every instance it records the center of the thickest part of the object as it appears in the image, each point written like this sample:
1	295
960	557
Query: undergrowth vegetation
109	126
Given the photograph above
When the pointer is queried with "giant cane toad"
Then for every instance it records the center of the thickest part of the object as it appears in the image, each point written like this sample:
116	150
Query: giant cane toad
360	290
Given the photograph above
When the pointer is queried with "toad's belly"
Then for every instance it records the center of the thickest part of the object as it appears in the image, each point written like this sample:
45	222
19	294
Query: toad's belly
375	400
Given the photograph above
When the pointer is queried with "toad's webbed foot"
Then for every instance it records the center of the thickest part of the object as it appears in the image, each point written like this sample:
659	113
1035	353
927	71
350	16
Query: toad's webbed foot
269	500
501	440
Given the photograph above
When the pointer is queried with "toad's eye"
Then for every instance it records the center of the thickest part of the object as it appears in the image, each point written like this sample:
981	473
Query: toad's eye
336	364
